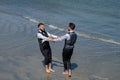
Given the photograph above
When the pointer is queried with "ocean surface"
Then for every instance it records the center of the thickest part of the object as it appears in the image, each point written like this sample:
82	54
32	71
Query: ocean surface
97	51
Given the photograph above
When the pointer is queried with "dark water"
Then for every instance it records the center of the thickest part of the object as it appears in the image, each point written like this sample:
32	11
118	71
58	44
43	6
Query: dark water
97	51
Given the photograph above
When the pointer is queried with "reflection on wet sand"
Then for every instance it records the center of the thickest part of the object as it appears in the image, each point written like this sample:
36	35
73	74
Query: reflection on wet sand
67	78
48	76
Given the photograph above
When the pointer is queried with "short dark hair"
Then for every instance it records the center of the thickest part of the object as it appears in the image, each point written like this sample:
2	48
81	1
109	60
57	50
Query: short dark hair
40	24
72	25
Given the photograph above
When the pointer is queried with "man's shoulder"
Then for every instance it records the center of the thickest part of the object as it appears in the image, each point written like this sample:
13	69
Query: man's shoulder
73	32
67	34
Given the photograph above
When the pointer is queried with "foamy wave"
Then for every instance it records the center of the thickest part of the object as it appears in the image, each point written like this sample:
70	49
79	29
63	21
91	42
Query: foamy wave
78	33
98	38
99	78
54	27
32	20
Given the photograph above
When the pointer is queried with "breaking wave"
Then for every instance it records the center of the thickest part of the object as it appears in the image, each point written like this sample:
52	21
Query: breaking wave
85	35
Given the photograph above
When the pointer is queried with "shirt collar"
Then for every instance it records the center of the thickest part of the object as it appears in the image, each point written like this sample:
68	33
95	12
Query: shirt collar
39	30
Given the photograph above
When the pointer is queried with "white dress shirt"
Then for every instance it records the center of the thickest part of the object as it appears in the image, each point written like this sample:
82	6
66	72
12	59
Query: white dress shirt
44	38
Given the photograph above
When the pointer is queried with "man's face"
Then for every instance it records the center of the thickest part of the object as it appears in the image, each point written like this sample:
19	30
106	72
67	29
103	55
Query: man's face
41	27
69	28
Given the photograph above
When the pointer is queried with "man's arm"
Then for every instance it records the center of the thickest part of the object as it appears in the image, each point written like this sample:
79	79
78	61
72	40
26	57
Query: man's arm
51	35
66	36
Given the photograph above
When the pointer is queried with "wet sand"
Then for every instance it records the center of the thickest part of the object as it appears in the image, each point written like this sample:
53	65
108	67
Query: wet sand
30	68
20	57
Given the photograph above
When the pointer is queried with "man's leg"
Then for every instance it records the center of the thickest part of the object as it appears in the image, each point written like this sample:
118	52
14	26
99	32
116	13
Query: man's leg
64	54
47	60
69	62
50	60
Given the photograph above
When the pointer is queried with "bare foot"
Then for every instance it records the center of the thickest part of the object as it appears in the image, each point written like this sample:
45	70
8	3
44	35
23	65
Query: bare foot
65	73
69	73
51	70
48	71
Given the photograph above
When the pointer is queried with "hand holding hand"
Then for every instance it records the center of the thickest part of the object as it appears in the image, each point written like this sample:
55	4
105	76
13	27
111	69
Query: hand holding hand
58	36
51	37
52	40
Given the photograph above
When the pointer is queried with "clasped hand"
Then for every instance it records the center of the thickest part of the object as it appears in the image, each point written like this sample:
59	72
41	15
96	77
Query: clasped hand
52	39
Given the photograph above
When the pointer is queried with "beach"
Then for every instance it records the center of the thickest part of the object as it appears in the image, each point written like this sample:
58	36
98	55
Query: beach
96	54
